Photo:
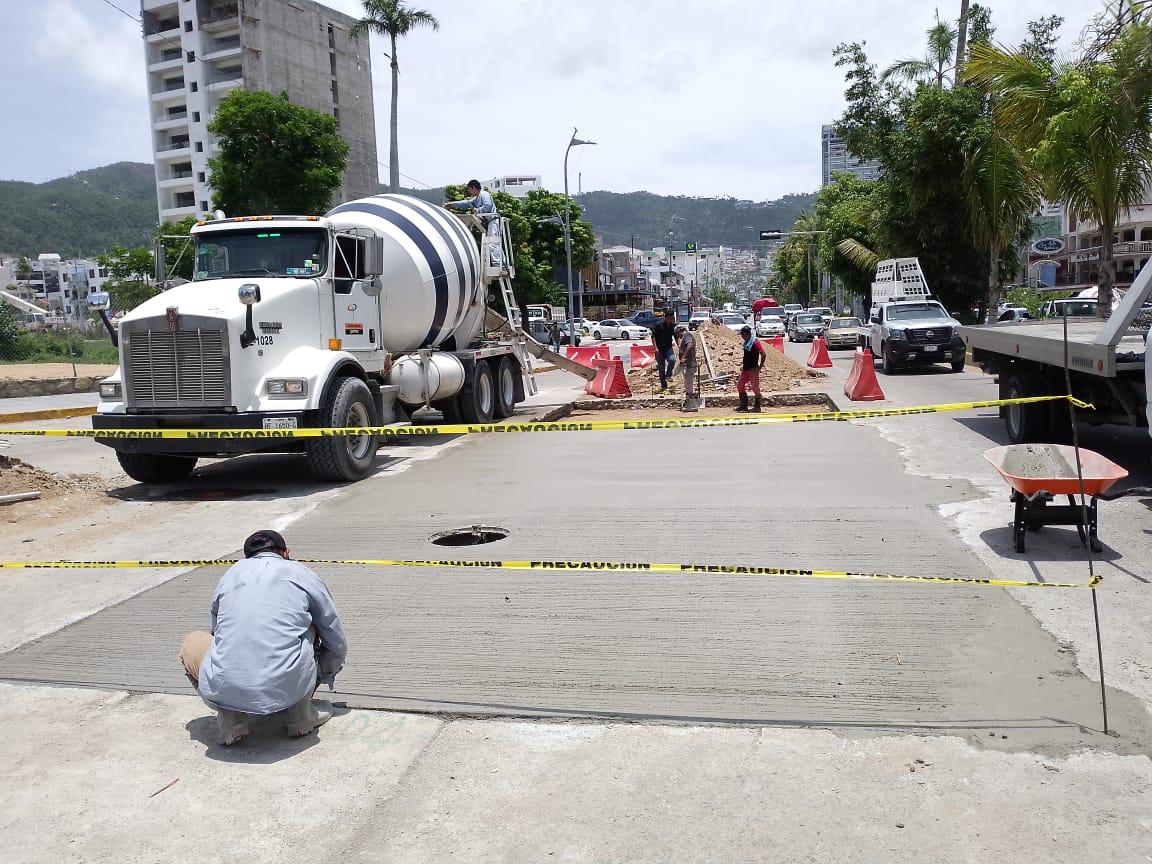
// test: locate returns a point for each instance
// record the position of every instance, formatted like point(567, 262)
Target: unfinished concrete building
point(198, 51)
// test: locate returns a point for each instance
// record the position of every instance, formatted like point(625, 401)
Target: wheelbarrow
point(1038, 473)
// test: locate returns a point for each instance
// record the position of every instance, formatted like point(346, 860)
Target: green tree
point(130, 274)
point(176, 238)
point(1086, 127)
point(849, 209)
point(9, 334)
point(274, 157)
point(394, 19)
point(937, 62)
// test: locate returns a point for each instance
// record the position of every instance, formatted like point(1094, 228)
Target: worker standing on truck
point(481, 201)
point(754, 357)
point(275, 638)
point(664, 338)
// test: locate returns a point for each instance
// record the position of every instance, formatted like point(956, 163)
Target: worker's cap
point(679, 328)
point(265, 540)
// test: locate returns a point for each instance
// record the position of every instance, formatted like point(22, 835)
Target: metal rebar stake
point(1088, 538)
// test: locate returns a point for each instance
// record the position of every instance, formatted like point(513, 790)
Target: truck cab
point(915, 332)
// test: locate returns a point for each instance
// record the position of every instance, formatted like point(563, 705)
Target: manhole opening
point(477, 535)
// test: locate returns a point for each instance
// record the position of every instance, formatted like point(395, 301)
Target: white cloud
point(106, 52)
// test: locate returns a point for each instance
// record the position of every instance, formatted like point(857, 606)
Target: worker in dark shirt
point(664, 338)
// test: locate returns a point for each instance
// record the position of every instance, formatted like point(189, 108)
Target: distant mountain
point(84, 214)
point(706, 221)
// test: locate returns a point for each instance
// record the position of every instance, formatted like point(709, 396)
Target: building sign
point(1043, 227)
point(1048, 246)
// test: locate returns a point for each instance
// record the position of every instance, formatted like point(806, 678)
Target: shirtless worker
point(275, 638)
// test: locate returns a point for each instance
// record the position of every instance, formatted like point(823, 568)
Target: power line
point(121, 11)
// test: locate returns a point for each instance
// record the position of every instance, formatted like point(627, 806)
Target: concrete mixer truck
point(352, 319)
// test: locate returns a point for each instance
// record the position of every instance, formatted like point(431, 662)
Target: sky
point(717, 99)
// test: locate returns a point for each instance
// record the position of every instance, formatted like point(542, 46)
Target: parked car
point(805, 326)
point(646, 318)
point(541, 331)
point(697, 319)
point(770, 324)
point(732, 320)
point(620, 329)
point(584, 326)
point(843, 333)
point(1013, 315)
point(824, 312)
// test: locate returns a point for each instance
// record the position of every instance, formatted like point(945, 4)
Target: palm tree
point(935, 65)
point(1086, 127)
point(962, 37)
point(393, 18)
point(1001, 190)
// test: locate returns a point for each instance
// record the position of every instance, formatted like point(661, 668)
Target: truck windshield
point(908, 311)
point(297, 252)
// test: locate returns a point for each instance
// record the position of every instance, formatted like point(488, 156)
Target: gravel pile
point(17, 476)
point(779, 373)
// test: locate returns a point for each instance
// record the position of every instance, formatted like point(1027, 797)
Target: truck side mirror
point(371, 286)
point(373, 256)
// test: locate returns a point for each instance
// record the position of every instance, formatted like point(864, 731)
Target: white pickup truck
point(1105, 362)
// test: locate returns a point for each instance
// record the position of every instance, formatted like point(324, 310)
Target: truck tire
point(506, 371)
point(887, 361)
point(958, 365)
point(1026, 423)
point(478, 398)
point(156, 467)
point(349, 403)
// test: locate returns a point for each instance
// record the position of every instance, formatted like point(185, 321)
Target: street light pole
point(575, 142)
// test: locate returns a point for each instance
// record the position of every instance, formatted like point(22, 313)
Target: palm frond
point(859, 255)
point(909, 70)
point(1024, 89)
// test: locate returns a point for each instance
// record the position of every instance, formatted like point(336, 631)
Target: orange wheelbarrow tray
point(1038, 473)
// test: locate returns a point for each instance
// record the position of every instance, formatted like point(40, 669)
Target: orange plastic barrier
point(643, 356)
point(862, 385)
point(776, 342)
point(818, 357)
point(587, 355)
point(611, 382)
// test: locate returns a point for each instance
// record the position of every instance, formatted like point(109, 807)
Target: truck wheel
point(506, 371)
point(156, 467)
point(478, 398)
point(348, 403)
point(958, 365)
point(887, 361)
point(1026, 423)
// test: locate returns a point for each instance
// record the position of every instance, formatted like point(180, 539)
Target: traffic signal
point(689, 247)
point(772, 234)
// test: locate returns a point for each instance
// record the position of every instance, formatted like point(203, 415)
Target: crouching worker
point(275, 638)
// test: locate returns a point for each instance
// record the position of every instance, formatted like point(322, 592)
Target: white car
point(584, 326)
point(770, 325)
point(734, 321)
point(790, 309)
point(697, 319)
point(620, 329)
point(824, 312)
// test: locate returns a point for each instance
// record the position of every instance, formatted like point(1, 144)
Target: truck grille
point(930, 336)
point(185, 368)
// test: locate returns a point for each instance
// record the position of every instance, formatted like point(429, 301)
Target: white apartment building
point(60, 286)
point(198, 51)
point(834, 158)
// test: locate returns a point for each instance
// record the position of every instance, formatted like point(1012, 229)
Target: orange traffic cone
point(776, 342)
point(862, 385)
point(818, 357)
point(610, 381)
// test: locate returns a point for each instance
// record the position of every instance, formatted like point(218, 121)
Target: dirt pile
point(17, 476)
point(726, 349)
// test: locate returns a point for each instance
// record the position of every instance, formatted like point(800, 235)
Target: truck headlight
point(896, 333)
point(286, 388)
point(111, 391)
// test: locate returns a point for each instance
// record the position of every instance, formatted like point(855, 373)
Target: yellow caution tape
point(568, 566)
point(404, 431)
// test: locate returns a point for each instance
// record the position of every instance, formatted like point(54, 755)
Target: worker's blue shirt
point(482, 203)
point(262, 659)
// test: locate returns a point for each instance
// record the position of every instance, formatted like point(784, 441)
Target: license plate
point(931, 348)
point(279, 422)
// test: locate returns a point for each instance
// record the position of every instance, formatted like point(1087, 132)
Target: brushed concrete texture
point(689, 648)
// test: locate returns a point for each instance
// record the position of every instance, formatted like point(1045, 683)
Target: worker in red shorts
point(754, 357)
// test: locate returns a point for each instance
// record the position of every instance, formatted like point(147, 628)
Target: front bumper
point(906, 352)
point(207, 424)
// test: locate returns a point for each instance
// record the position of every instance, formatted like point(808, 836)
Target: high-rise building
point(198, 51)
point(835, 158)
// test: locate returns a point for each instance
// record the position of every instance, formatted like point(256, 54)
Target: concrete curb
point(48, 414)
